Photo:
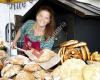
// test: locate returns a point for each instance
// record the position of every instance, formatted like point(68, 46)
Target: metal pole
point(9, 32)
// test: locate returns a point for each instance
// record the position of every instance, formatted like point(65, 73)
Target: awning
point(12, 1)
point(80, 8)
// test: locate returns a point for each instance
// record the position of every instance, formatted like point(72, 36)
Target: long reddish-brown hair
point(51, 25)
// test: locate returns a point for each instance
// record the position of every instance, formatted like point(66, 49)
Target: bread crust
point(84, 54)
point(78, 45)
point(88, 52)
point(68, 43)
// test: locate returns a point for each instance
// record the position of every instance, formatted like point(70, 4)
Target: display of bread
point(77, 63)
point(74, 49)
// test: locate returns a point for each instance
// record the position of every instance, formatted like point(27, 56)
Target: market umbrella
point(9, 2)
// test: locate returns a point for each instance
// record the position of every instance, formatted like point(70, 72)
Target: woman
point(35, 34)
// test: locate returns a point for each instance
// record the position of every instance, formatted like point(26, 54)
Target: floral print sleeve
point(25, 28)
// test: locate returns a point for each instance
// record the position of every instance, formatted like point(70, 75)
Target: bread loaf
point(71, 69)
point(95, 56)
point(19, 59)
point(10, 70)
point(91, 72)
point(32, 67)
point(25, 75)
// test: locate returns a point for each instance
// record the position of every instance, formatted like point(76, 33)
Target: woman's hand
point(14, 44)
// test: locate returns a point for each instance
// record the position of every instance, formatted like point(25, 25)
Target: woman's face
point(43, 18)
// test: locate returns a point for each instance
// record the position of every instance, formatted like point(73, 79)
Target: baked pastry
point(25, 75)
point(60, 51)
point(91, 72)
point(56, 73)
point(95, 56)
point(1, 65)
point(71, 69)
point(9, 71)
point(2, 54)
point(71, 53)
point(88, 52)
point(84, 54)
point(32, 67)
point(68, 43)
point(19, 59)
point(78, 45)
point(40, 75)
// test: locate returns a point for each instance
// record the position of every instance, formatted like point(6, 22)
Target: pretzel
point(60, 51)
point(79, 45)
point(88, 52)
point(68, 43)
point(84, 54)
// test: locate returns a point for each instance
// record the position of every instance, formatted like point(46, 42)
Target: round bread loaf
point(91, 72)
point(25, 75)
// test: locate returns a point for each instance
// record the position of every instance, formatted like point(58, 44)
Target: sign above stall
point(18, 6)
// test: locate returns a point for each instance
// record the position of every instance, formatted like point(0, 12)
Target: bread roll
point(19, 59)
point(2, 54)
point(32, 67)
point(25, 75)
point(1, 65)
point(71, 69)
point(10, 70)
point(95, 56)
point(5, 69)
point(40, 75)
point(56, 72)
